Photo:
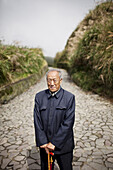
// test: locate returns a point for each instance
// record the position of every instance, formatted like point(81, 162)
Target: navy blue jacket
point(53, 120)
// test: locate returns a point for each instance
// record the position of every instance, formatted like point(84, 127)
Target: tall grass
point(18, 62)
point(91, 65)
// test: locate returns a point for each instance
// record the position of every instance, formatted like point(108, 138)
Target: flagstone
point(5, 163)
point(19, 158)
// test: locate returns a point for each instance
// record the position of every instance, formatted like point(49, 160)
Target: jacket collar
point(56, 94)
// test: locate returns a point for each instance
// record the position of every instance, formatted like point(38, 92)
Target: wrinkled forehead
point(53, 74)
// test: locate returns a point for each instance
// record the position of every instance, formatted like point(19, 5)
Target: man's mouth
point(52, 87)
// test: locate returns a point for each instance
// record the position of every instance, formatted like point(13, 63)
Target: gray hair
point(60, 73)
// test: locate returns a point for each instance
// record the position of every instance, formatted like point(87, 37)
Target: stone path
point(93, 130)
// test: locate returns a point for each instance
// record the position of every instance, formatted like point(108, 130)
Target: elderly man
point(54, 115)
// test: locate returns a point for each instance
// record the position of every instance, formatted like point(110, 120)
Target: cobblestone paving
point(93, 130)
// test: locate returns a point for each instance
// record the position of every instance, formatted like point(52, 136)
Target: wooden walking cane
point(50, 160)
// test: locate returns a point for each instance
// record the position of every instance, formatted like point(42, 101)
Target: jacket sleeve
point(66, 127)
point(40, 135)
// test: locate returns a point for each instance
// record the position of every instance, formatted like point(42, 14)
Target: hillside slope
point(88, 54)
point(17, 63)
point(20, 68)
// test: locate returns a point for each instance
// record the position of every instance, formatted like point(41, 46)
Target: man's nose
point(52, 82)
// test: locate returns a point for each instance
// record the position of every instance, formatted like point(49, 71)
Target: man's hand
point(47, 150)
point(50, 146)
point(44, 146)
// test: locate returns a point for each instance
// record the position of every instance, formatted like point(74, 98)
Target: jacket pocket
point(43, 114)
point(43, 108)
point(60, 113)
point(61, 107)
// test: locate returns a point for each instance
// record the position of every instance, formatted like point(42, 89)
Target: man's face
point(53, 81)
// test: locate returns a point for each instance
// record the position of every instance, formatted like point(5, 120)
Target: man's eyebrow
point(52, 77)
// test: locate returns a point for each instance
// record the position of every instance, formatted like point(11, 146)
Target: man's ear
point(61, 80)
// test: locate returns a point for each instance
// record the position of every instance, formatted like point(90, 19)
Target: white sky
point(42, 23)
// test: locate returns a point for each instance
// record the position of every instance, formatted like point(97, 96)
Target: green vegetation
point(91, 65)
point(61, 60)
point(50, 60)
point(17, 63)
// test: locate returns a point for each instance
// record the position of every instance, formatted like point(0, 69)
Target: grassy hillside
point(90, 63)
point(17, 63)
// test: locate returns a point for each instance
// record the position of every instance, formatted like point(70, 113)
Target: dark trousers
point(64, 160)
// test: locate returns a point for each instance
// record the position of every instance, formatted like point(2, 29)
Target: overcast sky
point(42, 23)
